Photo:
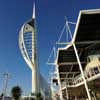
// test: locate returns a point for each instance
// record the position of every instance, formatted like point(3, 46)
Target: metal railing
point(90, 75)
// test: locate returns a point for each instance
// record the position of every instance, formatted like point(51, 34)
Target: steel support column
point(61, 96)
point(80, 66)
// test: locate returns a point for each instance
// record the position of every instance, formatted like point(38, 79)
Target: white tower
point(28, 47)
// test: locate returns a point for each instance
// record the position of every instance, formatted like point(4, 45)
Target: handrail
point(91, 75)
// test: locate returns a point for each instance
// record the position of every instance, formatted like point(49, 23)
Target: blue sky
point(50, 16)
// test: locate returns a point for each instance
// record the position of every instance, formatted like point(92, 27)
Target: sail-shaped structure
point(28, 48)
point(27, 44)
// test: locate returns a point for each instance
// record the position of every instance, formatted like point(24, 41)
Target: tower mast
point(35, 79)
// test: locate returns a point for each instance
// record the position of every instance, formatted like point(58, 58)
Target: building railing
point(89, 75)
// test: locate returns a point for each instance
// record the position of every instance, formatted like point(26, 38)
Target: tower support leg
point(33, 81)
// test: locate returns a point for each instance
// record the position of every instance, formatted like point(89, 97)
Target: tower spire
point(33, 15)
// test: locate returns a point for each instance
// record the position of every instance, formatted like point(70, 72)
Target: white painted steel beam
point(80, 66)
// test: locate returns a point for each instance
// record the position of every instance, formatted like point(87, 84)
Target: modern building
point(78, 63)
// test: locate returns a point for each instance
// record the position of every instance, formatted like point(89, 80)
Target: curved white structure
point(27, 44)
